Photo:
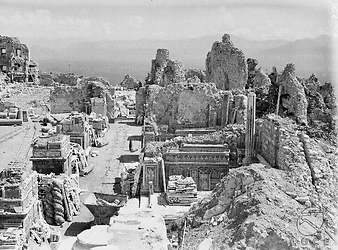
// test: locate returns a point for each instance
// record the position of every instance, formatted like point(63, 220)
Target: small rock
point(302, 199)
point(291, 194)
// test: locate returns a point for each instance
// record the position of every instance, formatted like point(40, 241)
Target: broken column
point(250, 130)
point(225, 108)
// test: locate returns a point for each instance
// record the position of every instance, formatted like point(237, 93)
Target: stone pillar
point(225, 109)
point(250, 130)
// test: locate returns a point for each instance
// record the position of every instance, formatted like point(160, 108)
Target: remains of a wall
point(66, 78)
point(181, 104)
point(165, 71)
point(191, 74)
point(140, 99)
point(157, 66)
point(317, 109)
point(65, 99)
point(173, 73)
point(293, 97)
point(129, 82)
point(46, 79)
point(33, 72)
point(226, 65)
point(14, 59)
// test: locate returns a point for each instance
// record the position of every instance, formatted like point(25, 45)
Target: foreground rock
point(255, 207)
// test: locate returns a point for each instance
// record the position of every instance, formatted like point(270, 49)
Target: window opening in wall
point(18, 52)
point(3, 51)
point(4, 68)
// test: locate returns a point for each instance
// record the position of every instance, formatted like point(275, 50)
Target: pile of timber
point(60, 199)
point(181, 191)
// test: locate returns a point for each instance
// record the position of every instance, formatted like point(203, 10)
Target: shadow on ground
point(128, 158)
point(77, 227)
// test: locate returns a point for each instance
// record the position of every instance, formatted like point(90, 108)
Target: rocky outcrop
point(226, 65)
point(129, 82)
point(293, 98)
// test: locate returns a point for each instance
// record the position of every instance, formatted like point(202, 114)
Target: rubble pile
point(226, 65)
point(254, 207)
point(59, 198)
point(181, 191)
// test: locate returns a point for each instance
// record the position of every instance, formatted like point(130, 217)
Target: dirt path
point(108, 166)
point(15, 144)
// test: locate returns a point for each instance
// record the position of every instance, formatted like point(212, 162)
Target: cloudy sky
point(165, 19)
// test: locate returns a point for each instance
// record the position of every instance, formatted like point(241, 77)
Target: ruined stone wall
point(193, 73)
point(64, 78)
point(173, 73)
point(140, 99)
point(14, 58)
point(293, 98)
point(129, 82)
point(65, 99)
point(165, 71)
point(226, 65)
point(181, 104)
point(158, 65)
point(46, 79)
point(33, 72)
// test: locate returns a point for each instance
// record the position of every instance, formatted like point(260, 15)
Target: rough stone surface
point(181, 104)
point(173, 73)
point(251, 209)
point(226, 65)
point(129, 82)
point(293, 97)
point(193, 73)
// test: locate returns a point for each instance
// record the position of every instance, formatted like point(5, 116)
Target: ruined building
point(15, 60)
point(226, 65)
point(89, 95)
point(165, 71)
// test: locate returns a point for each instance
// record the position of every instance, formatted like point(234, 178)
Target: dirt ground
point(108, 166)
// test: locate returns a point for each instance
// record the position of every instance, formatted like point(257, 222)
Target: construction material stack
point(77, 126)
point(181, 191)
point(18, 205)
point(60, 199)
point(51, 154)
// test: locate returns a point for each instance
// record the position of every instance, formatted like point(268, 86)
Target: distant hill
point(114, 59)
point(309, 56)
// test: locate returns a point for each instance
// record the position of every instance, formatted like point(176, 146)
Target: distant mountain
point(308, 55)
point(114, 59)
